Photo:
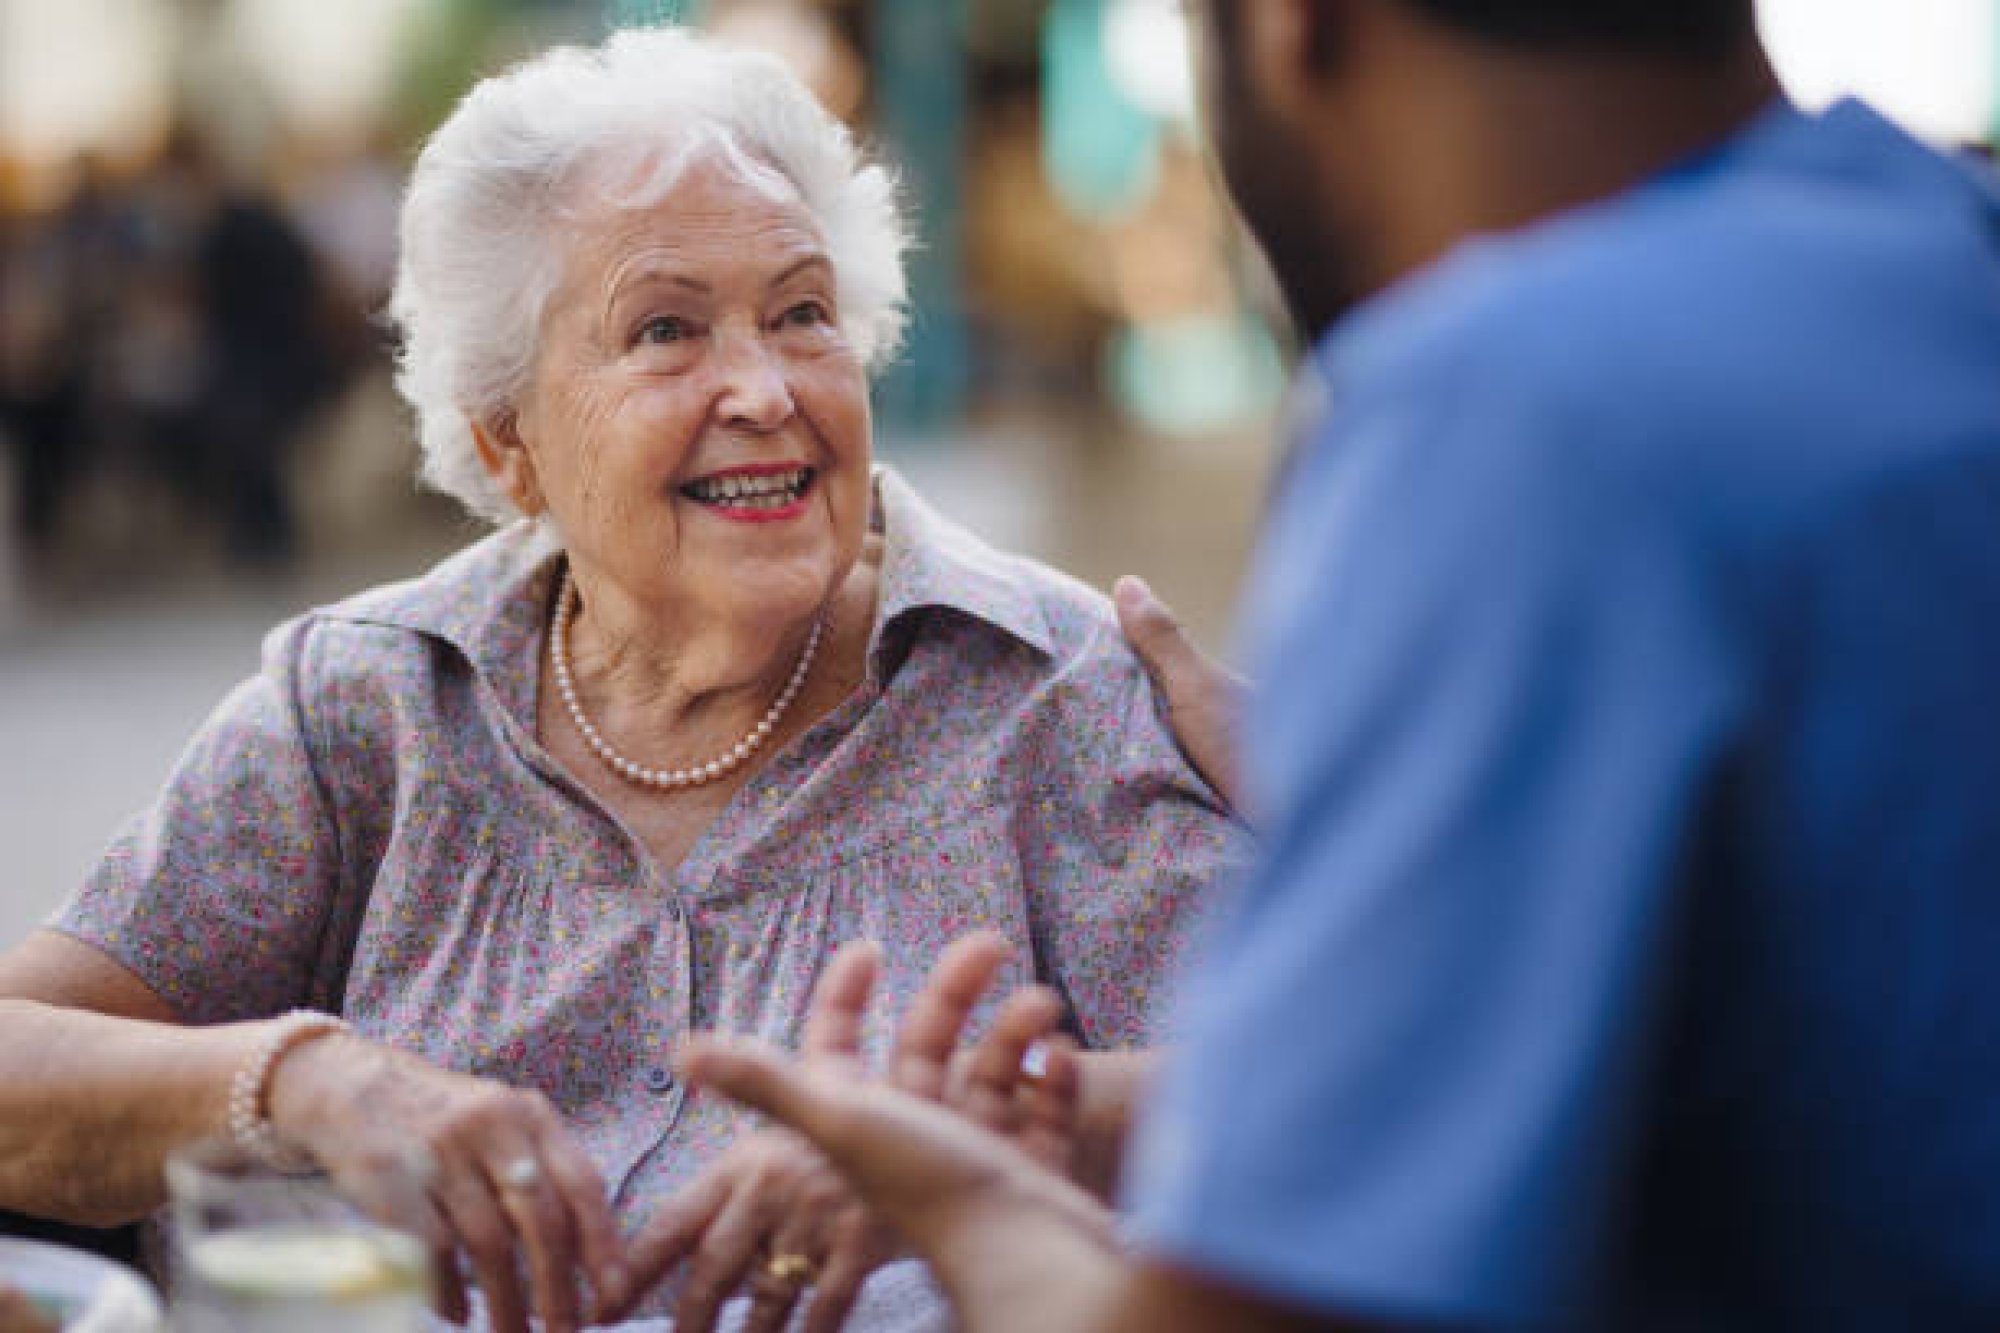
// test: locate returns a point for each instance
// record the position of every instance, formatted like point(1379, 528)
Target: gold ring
point(790, 1270)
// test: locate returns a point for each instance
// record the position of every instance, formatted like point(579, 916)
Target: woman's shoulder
point(1082, 625)
point(932, 560)
point(480, 601)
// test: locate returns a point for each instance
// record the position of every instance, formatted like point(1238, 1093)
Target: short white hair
point(481, 248)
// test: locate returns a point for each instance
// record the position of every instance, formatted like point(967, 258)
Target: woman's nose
point(756, 394)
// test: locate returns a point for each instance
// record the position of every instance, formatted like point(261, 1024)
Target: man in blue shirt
point(1626, 742)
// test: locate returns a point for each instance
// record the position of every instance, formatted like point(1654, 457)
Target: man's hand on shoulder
point(1204, 699)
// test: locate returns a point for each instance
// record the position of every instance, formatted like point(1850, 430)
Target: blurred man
point(1627, 635)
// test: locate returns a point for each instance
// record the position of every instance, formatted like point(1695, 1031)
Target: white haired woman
point(448, 882)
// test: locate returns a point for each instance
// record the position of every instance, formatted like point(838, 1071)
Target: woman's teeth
point(770, 491)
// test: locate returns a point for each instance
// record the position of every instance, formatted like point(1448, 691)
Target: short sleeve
point(1128, 858)
point(217, 895)
point(1494, 686)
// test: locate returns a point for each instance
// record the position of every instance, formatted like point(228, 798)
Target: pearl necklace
point(670, 779)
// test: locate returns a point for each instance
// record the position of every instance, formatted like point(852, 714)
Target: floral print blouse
point(370, 827)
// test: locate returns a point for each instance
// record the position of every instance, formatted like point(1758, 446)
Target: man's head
point(1314, 104)
point(1693, 29)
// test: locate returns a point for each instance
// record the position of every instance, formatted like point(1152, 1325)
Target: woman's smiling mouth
point(758, 494)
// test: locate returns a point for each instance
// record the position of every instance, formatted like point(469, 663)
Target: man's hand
point(1204, 700)
point(1002, 1232)
point(771, 1195)
point(1015, 1244)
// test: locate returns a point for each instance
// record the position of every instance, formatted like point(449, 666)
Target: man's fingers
point(759, 1076)
point(920, 1061)
point(840, 1000)
point(874, 1135)
point(927, 1170)
point(1156, 634)
point(1150, 625)
point(1203, 699)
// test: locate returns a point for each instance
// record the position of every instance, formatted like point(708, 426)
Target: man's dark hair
point(1640, 27)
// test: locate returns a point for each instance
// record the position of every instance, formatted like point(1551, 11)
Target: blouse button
point(659, 1079)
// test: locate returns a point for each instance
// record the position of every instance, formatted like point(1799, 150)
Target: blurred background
point(198, 435)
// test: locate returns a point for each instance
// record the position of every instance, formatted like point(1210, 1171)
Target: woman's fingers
point(786, 1265)
point(723, 1260)
point(927, 1169)
point(504, 1180)
point(554, 1201)
point(840, 1001)
point(586, 1201)
point(1050, 1103)
point(668, 1237)
point(541, 1221)
point(852, 1254)
point(920, 1060)
point(484, 1234)
point(990, 1078)
point(394, 1188)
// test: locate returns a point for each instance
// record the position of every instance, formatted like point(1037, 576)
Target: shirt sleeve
point(1128, 858)
point(1493, 689)
point(217, 895)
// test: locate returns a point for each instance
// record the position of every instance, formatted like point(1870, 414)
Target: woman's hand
point(771, 1219)
point(996, 1225)
point(771, 1203)
point(1015, 1245)
point(1022, 1080)
point(468, 1165)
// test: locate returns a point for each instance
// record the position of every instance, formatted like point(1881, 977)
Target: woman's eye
point(808, 313)
point(665, 329)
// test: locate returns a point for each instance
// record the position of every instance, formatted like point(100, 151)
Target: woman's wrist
point(251, 1101)
point(1113, 1084)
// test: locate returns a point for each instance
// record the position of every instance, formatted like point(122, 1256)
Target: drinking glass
point(257, 1249)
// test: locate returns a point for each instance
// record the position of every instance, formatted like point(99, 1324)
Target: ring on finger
point(790, 1271)
point(523, 1173)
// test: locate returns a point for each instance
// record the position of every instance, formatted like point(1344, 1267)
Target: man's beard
point(1269, 174)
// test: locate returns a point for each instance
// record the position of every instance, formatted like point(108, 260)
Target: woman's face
point(696, 424)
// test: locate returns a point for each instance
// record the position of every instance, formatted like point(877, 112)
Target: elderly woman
point(436, 896)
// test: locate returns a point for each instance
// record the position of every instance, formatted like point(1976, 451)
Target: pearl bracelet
point(249, 1086)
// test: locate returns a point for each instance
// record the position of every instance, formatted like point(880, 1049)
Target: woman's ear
point(508, 462)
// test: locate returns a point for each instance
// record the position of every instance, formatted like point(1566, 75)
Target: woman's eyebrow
point(799, 266)
point(649, 275)
point(639, 278)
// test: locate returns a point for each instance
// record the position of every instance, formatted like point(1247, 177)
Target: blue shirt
point(1627, 951)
